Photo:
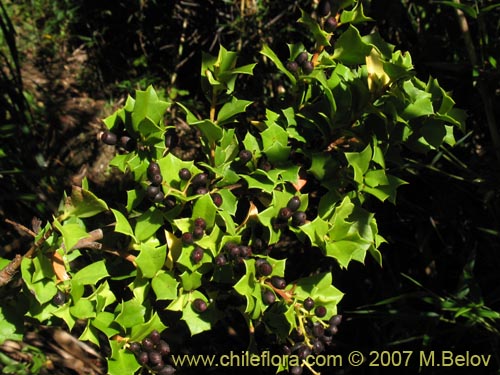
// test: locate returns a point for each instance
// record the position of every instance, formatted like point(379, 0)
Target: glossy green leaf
point(164, 285)
point(148, 106)
point(151, 259)
point(356, 15)
point(350, 48)
point(231, 109)
point(83, 203)
point(122, 224)
point(122, 360)
point(269, 53)
point(148, 223)
point(130, 313)
point(91, 274)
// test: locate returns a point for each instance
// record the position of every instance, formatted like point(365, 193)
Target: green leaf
point(91, 274)
point(148, 223)
point(122, 224)
point(205, 208)
point(350, 48)
point(320, 36)
point(151, 259)
point(72, 233)
point(147, 106)
point(83, 204)
point(356, 15)
point(231, 109)
point(190, 280)
point(164, 285)
point(467, 9)
point(140, 331)
point(268, 52)
point(197, 322)
point(360, 162)
point(83, 309)
point(122, 360)
point(130, 313)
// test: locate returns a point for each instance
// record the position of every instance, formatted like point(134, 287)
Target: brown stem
point(21, 227)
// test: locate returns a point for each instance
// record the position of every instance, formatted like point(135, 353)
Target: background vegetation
point(66, 64)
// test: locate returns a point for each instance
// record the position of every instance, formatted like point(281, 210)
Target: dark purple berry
point(170, 202)
point(278, 282)
point(307, 67)
point(318, 330)
point(245, 251)
point(197, 255)
point(202, 190)
point(59, 299)
point(245, 156)
point(135, 347)
point(155, 357)
point(285, 349)
point(324, 8)
point(184, 174)
point(163, 347)
point(198, 233)
point(285, 213)
point(109, 138)
point(327, 340)
point(217, 199)
point(127, 143)
point(220, 260)
point(265, 165)
point(153, 168)
point(156, 179)
point(332, 330)
point(200, 179)
point(152, 190)
point(303, 352)
point(292, 66)
point(264, 268)
point(200, 223)
point(330, 24)
point(155, 336)
point(320, 311)
point(159, 197)
point(296, 370)
point(187, 238)
point(308, 304)
point(301, 58)
point(199, 305)
point(143, 358)
point(318, 346)
point(299, 218)
point(166, 370)
point(147, 344)
point(293, 204)
point(335, 320)
point(268, 297)
point(234, 251)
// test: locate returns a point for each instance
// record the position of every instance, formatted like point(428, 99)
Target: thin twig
point(21, 227)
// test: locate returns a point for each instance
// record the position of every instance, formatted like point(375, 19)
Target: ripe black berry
point(278, 282)
point(163, 347)
point(303, 352)
point(197, 254)
point(234, 251)
point(170, 202)
point(59, 298)
point(292, 66)
point(143, 358)
point(301, 58)
point(184, 174)
point(127, 143)
point(318, 330)
point(268, 297)
point(264, 268)
point(154, 357)
point(332, 330)
point(335, 320)
point(265, 165)
point(245, 251)
point(217, 199)
point(199, 305)
point(285, 213)
point(187, 238)
point(202, 190)
point(200, 223)
point(135, 347)
point(109, 138)
point(156, 179)
point(166, 370)
point(155, 336)
point(147, 344)
point(159, 197)
point(198, 233)
point(220, 260)
point(153, 168)
point(296, 370)
point(320, 311)
point(318, 346)
point(324, 8)
point(152, 190)
point(330, 24)
point(308, 304)
point(293, 204)
point(307, 67)
point(200, 179)
point(245, 156)
point(299, 218)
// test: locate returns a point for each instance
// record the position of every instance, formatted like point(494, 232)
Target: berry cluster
point(188, 238)
point(290, 211)
point(302, 61)
point(151, 352)
point(126, 142)
point(154, 191)
point(317, 336)
point(324, 10)
point(234, 253)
